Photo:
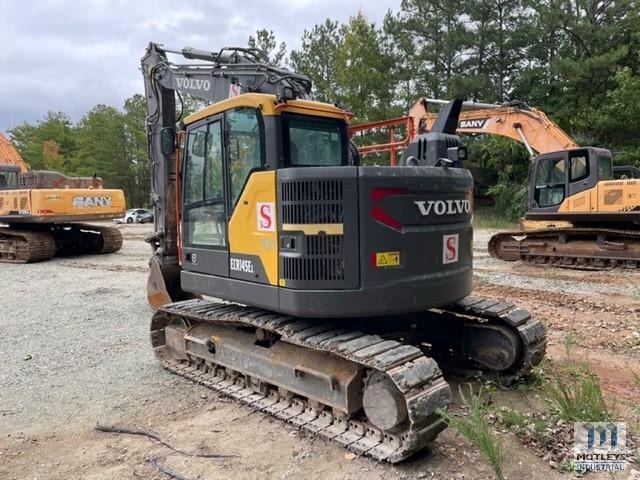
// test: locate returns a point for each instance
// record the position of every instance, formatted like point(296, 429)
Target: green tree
point(102, 148)
point(33, 141)
point(437, 33)
point(317, 59)
point(136, 149)
point(265, 40)
point(576, 47)
point(362, 70)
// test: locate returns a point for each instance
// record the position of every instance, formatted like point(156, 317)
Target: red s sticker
point(450, 248)
point(265, 216)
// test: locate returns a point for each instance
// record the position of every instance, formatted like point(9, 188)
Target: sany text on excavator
point(344, 287)
point(41, 211)
point(578, 214)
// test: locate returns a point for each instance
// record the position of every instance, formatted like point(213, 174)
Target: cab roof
point(269, 106)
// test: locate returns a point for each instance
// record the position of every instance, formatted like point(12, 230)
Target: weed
point(476, 428)
point(577, 396)
point(569, 340)
point(533, 381)
point(512, 418)
point(525, 426)
point(636, 377)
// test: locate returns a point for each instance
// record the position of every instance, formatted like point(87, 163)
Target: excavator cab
point(557, 176)
point(9, 177)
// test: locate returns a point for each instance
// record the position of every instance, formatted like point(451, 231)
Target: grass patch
point(577, 396)
point(486, 217)
point(569, 341)
point(476, 428)
point(530, 427)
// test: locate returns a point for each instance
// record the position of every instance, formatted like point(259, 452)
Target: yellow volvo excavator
point(40, 212)
point(579, 214)
point(344, 287)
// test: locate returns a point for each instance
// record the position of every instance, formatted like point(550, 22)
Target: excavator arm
point(516, 121)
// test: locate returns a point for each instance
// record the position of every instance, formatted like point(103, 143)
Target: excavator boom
point(10, 156)
point(516, 121)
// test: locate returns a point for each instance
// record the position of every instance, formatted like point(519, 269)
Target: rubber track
point(581, 261)
point(416, 376)
point(111, 237)
point(39, 245)
point(532, 332)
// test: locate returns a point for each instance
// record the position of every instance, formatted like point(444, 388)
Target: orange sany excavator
point(40, 212)
point(578, 214)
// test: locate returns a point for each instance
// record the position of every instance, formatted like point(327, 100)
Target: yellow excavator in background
point(40, 211)
point(579, 215)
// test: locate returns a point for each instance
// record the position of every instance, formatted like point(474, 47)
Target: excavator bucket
point(163, 285)
point(157, 293)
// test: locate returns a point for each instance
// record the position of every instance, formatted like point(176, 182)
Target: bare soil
point(75, 352)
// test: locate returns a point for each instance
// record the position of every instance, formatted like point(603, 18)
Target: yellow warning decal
point(387, 259)
point(282, 282)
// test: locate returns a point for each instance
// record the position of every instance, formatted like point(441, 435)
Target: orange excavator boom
point(515, 120)
point(10, 156)
point(524, 124)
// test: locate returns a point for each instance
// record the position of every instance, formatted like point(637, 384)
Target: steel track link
point(595, 260)
point(24, 246)
point(531, 332)
point(417, 377)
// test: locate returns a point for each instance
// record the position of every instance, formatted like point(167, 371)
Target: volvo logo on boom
point(442, 207)
point(194, 84)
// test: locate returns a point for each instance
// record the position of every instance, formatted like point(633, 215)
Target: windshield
point(312, 141)
point(8, 180)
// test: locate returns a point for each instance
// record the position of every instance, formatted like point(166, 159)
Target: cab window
point(550, 182)
point(605, 168)
point(579, 166)
point(8, 180)
point(245, 150)
point(312, 141)
point(204, 219)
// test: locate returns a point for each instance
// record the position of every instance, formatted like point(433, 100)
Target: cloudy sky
point(70, 55)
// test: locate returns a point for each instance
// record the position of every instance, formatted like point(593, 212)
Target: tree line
point(577, 60)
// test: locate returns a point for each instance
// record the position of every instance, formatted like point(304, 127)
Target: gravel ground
point(549, 279)
point(76, 351)
point(76, 340)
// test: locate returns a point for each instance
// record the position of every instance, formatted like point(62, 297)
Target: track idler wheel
point(496, 347)
point(383, 403)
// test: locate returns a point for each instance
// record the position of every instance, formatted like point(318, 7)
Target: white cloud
point(70, 55)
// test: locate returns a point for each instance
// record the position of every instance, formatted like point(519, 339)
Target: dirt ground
point(75, 352)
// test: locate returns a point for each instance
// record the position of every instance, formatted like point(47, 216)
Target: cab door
point(204, 210)
point(549, 182)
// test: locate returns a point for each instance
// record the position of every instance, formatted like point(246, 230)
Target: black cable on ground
point(156, 436)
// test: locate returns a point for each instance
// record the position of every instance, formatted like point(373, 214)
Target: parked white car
point(131, 215)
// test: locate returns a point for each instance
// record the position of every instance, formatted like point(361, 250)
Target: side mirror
point(457, 155)
point(168, 140)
